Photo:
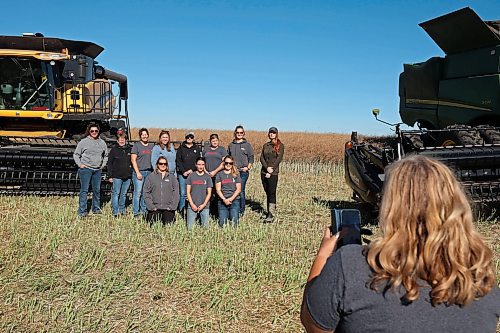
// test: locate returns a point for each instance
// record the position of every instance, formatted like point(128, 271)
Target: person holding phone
point(199, 191)
point(429, 271)
point(270, 158)
point(228, 187)
point(161, 193)
point(242, 152)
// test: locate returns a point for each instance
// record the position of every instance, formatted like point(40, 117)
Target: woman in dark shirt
point(429, 271)
point(270, 158)
point(120, 174)
point(228, 187)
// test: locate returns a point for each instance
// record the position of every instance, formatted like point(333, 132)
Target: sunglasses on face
point(272, 132)
point(94, 131)
point(240, 133)
point(161, 163)
point(228, 163)
point(189, 136)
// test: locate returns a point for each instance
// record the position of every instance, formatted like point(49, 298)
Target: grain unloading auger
point(50, 90)
point(455, 103)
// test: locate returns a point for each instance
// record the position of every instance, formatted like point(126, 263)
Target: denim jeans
point(119, 195)
point(229, 213)
point(89, 176)
point(244, 178)
point(191, 217)
point(182, 192)
point(138, 203)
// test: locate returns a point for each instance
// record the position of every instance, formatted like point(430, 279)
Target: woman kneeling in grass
point(161, 193)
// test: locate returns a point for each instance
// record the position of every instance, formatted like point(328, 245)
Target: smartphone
point(349, 219)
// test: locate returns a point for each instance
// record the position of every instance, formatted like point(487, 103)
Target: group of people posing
point(196, 181)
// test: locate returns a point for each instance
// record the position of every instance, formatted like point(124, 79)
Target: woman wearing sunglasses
point(228, 187)
point(271, 157)
point(243, 154)
point(161, 193)
point(91, 156)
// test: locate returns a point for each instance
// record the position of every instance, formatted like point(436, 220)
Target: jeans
point(138, 203)
point(119, 195)
point(182, 192)
point(191, 217)
point(229, 213)
point(244, 178)
point(89, 176)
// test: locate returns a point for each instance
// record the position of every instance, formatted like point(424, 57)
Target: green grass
point(62, 274)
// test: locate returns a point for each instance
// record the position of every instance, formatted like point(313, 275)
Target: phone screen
point(349, 219)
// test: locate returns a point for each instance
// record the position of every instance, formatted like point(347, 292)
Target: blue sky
point(317, 66)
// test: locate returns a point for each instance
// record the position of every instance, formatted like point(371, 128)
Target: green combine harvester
point(454, 101)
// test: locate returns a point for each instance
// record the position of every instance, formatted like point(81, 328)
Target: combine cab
point(50, 90)
point(455, 103)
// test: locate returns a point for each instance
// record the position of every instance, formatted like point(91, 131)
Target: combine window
point(23, 84)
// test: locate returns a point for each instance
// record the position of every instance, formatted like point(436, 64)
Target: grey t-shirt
point(228, 183)
point(213, 157)
point(199, 185)
point(339, 299)
point(143, 155)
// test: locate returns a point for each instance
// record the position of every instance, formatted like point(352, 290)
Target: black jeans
point(270, 185)
point(163, 215)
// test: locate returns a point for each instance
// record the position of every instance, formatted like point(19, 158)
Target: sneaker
point(97, 212)
point(82, 216)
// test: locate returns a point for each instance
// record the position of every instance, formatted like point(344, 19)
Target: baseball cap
point(273, 129)
point(189, 133)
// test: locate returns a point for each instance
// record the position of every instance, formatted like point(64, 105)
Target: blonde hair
point(428, 234)
point(234, 171)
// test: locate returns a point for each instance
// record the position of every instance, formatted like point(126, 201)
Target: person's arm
point(110, 165)
point(279, 158)
point(106, 153)
point(155, 153)
point(216, 171)
point(326, 249)
point(147, 192)
point(77, 155)
point(236, 193)
point(262, 158)
point(251, 156)
point(175, 190)
point(207, 199)
point(133, 160)
point(190, 199)
point(218, 190)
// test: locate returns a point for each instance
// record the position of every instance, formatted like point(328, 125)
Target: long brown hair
point(428, 234)
point(161, 144)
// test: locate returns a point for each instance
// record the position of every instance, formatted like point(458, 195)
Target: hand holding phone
point(348, 223)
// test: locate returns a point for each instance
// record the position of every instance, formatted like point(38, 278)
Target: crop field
point(59, 273)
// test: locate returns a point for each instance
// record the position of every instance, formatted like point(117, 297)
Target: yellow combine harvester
point(50, 90)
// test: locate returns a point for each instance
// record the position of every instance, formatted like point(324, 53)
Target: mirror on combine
point(375, 112)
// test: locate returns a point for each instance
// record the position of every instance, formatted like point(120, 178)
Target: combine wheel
point(490, 134)
point(459, 135)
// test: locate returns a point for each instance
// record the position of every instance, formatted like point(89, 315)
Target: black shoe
point(97, 212)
